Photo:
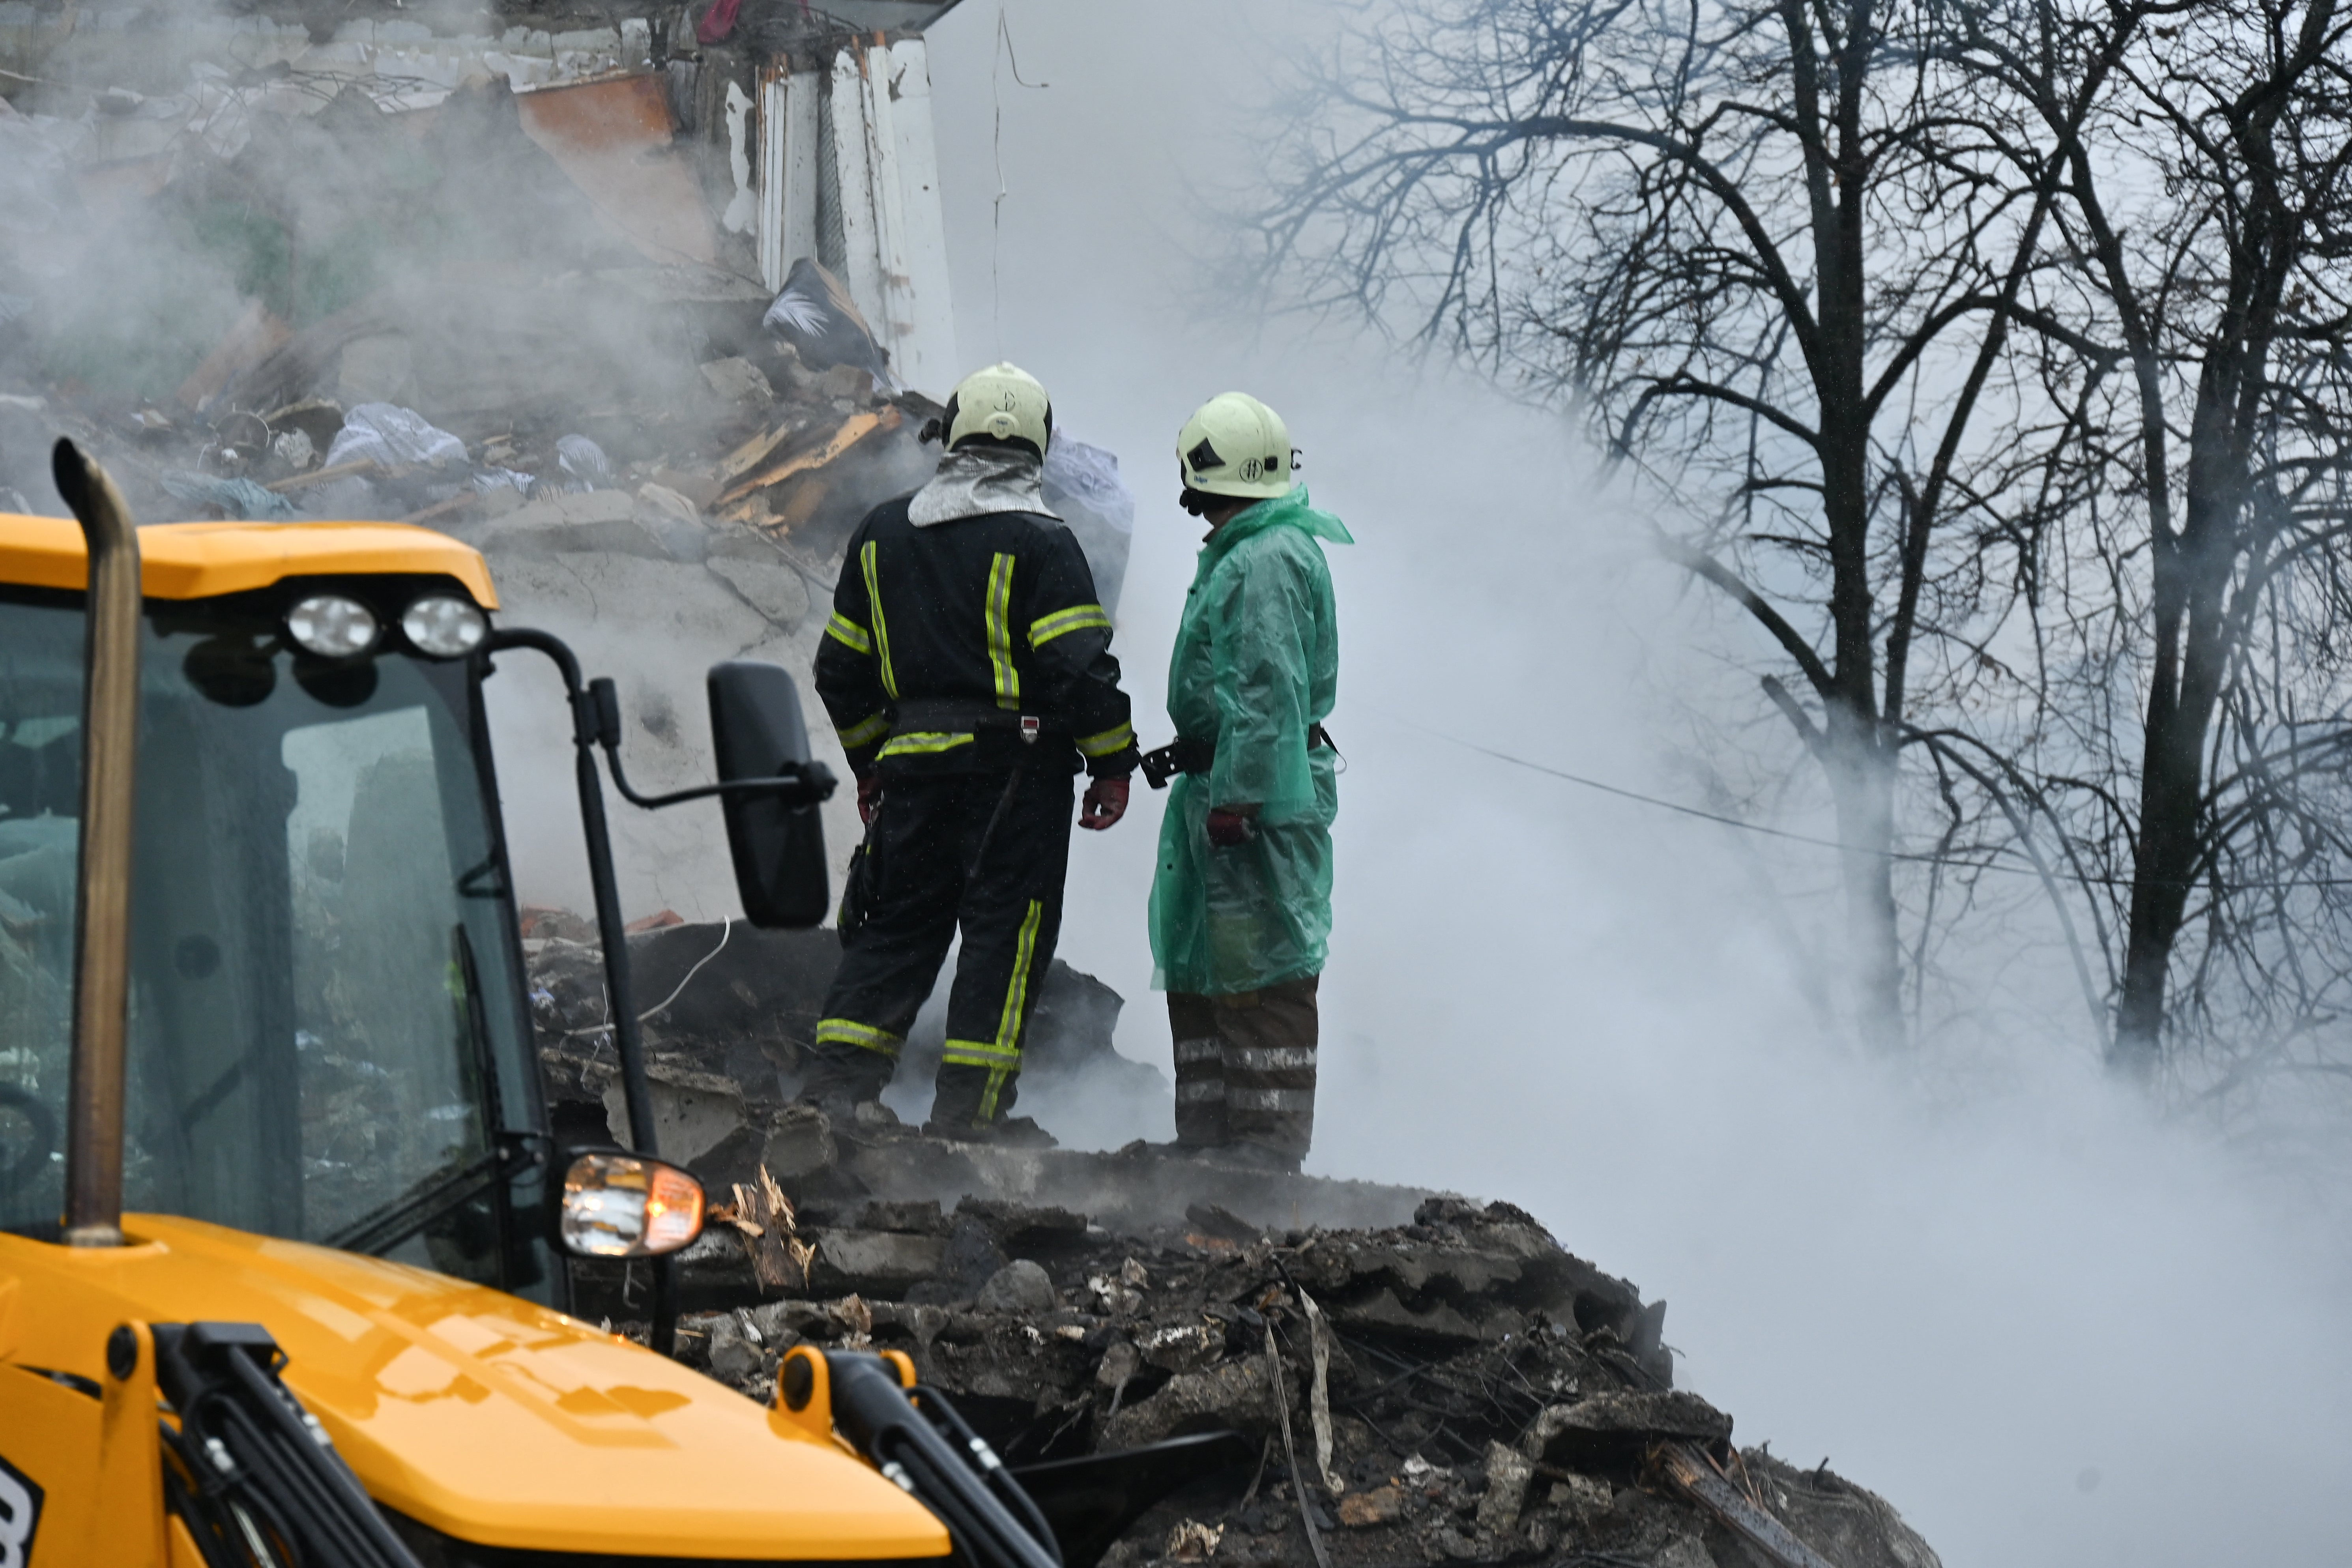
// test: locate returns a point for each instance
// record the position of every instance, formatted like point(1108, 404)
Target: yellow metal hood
point(484, 1416)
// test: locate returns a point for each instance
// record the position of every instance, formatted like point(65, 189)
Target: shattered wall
point(571, 257)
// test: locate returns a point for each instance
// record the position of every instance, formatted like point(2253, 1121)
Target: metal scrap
point(1687, 1467)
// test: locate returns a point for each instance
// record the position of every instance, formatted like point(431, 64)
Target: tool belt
point(953, 714)
point(1185, 756)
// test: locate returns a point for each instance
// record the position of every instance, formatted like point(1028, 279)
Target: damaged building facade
point(650, 305)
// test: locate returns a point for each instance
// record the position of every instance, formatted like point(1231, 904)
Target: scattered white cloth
point(394, 437)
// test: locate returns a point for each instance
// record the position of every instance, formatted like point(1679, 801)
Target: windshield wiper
point(378, 1233)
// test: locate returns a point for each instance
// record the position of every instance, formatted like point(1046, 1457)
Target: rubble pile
point(1455, 1389)
point(477, 350)
point(507, 285)
point(443, 281)
point(727, 1009)
point(1413, 1378)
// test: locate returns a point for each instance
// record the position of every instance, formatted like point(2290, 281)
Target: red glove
point(869, 796)
point(1106, 802)
point(1230, 829)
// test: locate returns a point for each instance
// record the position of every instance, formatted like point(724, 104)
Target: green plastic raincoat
point(1256, 664)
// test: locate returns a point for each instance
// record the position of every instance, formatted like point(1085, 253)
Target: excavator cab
point(281, 1225)
point(328, 1039)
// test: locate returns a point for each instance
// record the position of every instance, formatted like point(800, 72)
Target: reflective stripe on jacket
point(994, 617)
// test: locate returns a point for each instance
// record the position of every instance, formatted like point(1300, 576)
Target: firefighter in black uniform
point(967, 667)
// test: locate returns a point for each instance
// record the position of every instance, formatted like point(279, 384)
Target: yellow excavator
point(282, 1229)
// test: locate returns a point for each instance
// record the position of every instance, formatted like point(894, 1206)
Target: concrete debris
point(1519, 1427)
point(1413, 1378)
point(583, 332)
point(1020, 1287)
point(738, 379)
point(520, 250)
point(1192, 1542)
point(1613, 1430)
point(1508, 1476)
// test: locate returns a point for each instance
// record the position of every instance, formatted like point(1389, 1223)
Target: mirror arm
point(805, 786)
point(587, 732)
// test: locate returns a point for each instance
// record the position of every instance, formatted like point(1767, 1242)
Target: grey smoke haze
point(2047, 1327)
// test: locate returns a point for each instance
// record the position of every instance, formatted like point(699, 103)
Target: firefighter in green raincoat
point(1241, 904)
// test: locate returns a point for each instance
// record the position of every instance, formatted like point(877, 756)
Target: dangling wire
point(1004, 54)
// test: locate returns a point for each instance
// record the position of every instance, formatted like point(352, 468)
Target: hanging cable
point(1003, 53)
point(1906, 857)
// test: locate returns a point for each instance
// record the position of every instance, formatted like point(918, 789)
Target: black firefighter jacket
point(974, 645)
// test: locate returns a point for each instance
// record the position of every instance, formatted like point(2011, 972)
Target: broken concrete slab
point(877, 1263)
point(738, 379)
point(1615, 1430)
point(593, 522)
point(771, 587)
point(693, 1111)
point(1237, 1395)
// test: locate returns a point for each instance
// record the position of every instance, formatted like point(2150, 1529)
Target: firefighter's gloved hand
point(869, 796)
point(1106, 802)
point(1231, 829)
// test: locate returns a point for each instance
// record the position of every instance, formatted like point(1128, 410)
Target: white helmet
point(1236, 446)
point(1005, 403)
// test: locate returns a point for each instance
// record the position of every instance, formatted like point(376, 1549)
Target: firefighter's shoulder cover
point(1255, 668)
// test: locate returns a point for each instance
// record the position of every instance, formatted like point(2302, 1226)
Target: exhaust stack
point(109, 727)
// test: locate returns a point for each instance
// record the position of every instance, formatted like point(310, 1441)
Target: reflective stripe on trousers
point(1001, 1058)
point(1199, 1073)
point(1245, 1067)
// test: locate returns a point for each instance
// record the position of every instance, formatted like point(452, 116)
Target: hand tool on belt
point(1186, 755)
point(951, 714)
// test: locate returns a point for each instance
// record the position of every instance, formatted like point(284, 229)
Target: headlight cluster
point(335, 625)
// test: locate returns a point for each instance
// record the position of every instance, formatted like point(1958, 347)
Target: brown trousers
point(1245, 1067)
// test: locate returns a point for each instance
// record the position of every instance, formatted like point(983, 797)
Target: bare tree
point(1769, 250)
point(2190, 327)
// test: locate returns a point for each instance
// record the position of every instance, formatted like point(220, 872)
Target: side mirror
point(778, 846)
point(625, 1205)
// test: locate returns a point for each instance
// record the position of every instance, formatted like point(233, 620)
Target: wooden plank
point(755, 451)
point(440, 509)
point(853, 430)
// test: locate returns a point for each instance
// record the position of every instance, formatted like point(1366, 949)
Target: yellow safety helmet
point(1236, 446)
point(1004, 403)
